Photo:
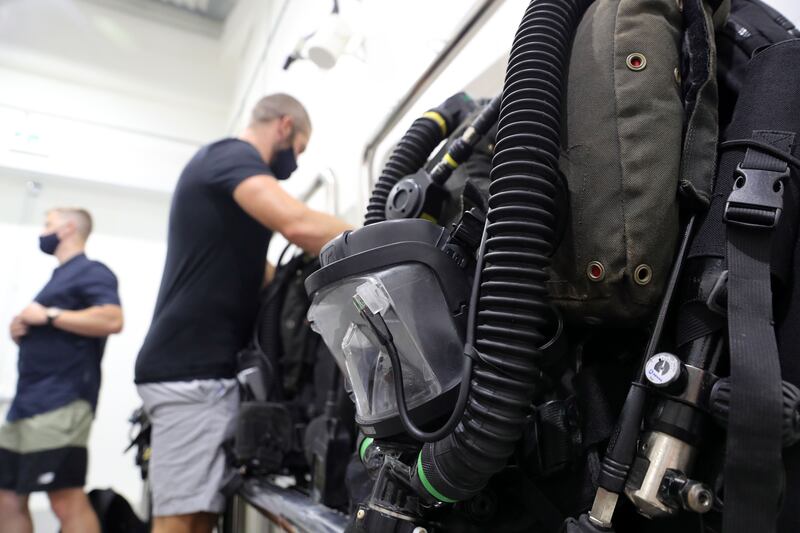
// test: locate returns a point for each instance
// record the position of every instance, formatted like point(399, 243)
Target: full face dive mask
point(391, 287)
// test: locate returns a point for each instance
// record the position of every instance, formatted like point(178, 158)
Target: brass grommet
point(595, 271)
point(636, 61)
point(643, 274)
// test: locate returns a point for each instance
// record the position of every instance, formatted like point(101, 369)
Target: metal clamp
point(694, 387)
point(757, 198)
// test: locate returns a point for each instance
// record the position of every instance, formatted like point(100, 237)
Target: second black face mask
point(284, 163)
point(48, 243)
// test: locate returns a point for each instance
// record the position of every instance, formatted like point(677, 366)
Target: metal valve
point(689, 494)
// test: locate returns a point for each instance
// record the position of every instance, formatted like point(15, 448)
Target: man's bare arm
point(266, 201)
point(96, 321)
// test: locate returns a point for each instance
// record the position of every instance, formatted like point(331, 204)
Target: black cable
point(621, 450)
point(400, 394)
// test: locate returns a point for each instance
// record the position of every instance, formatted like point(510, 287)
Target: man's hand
point(34, 315)
point(18, 329)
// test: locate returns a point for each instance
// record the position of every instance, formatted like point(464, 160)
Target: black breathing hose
point(513, 307)
point(413, 150)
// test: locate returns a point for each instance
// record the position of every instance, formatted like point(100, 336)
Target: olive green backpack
point(639, 143)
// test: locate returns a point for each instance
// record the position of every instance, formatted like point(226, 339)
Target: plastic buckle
point(757, 198)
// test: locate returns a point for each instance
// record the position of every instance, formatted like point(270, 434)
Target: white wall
point(55, 145)
point(790, 9)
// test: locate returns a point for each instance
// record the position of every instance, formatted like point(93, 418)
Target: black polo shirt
point(216, 254)
point(57, 367)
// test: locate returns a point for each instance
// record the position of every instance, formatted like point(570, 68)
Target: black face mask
point(48, 243)
point(283, 163)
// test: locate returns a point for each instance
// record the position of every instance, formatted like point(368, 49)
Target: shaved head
point(281, 105)
point(79, 217)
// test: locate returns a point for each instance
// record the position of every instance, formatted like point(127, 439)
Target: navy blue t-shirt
point(57, 367)
point(216, 254)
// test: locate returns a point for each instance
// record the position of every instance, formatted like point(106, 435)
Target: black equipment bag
point(769, 101)
point(746, 242)
point(272, 419)
point(115, 513)
point(266, 349)
point(264, 436)
point(751, 26)
point(287, 375)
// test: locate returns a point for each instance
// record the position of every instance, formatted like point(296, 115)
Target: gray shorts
point(190, 420)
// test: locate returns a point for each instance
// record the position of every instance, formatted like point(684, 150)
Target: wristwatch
point(52, 314)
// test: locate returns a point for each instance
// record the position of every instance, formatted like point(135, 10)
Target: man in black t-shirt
point(226, 205)
point(61, 337)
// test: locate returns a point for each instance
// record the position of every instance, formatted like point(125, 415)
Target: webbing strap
point(753, 467)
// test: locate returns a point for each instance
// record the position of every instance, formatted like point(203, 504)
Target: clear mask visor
point(429, 345)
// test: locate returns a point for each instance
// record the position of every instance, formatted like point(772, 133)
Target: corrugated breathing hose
point(513, 312)
point(413, 150)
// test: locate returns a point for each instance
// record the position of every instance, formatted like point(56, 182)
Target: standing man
point(226, 205)
point(61, 337)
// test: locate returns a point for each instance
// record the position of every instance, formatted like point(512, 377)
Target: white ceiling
point(215, 9)
point(83, 84)
point(93, 43)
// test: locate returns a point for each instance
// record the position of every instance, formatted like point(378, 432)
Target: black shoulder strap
point(753, 467)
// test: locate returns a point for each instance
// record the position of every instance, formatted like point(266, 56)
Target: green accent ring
point(366, 443)
point(425, 483)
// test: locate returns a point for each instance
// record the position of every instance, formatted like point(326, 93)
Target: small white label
point(662, 369)
point(46, 478)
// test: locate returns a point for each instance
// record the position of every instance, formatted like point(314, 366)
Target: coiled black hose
point(513, 310)
point(414, 148)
